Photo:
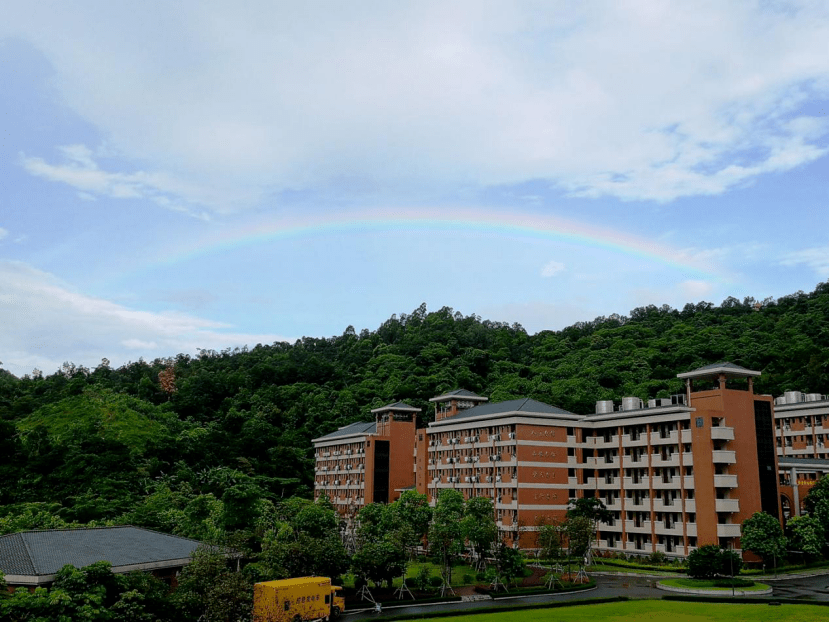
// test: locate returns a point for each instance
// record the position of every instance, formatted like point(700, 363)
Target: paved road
point(636, 587)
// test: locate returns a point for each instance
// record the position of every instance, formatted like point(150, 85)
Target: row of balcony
point(721, 481)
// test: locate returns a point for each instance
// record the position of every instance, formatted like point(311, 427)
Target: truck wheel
point(335, 612)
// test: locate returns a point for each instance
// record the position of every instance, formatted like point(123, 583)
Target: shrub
point(468, 578)
point(708, 561)
point(657, 558)
point(736, 582)
point(421, 581)
point(435, 581)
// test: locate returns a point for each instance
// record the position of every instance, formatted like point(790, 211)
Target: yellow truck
point(298, 599)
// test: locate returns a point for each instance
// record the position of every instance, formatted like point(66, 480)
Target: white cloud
point(44, 322)
point(139, 344)
point(551, 268)
point(695, 289)
point(81, 171)
point(815, 258)
point(3, 233)
point(639, 100)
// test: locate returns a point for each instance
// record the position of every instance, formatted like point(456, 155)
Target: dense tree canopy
point(204, 445)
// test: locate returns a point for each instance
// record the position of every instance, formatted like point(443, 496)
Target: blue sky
point(179, 176)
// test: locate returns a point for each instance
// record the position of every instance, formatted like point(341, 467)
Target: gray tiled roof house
point(32, 558)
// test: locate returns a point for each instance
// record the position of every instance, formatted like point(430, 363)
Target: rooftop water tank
point(605, 406)
point(630, 403)
point(781, 400)
point(793, 397)
point(665, 402)
point(813, 397)
point(652, 402)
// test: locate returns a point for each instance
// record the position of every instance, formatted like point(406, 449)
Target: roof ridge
point(29, 553)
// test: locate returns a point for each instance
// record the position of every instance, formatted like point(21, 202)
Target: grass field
point(709, 585)
point(458, 573)
point(656, 610)
point(622, 569)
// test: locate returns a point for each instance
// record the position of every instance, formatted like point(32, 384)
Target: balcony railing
point(729, 530)
point(644, 527)
point(723, 456)
point(726, 506)
point(723, 433)
point(726, 481)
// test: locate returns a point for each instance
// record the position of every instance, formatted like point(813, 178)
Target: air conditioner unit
point(473, 478)
point(475, 459)
point(454, 440)
point(466, 479)
point(498, 478)
point(432, 443)
point(468, 459)
point(496, 437)
point(466, 440)
point(489, 479)
point(512, 435)
point(451, 479)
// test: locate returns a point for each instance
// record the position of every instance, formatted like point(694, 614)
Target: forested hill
point(189, 438)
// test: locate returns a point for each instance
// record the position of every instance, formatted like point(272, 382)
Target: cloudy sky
point(188, 175)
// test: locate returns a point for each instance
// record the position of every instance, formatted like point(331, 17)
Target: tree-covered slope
point(209, 435)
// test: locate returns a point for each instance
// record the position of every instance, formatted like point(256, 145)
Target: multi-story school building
point(675, 472)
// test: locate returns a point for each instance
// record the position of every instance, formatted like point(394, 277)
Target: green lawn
point(656, 610)
point(622, 569)
point(458, 573)
point(709, 585)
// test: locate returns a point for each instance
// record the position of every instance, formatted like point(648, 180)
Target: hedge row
point(497, 609)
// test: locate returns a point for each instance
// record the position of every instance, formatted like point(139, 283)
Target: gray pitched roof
point(520, 405)
point(396, 406)
point(458, 393)
point(712, 370)
point(804, 462)
point(45, 552)
point(367, 428)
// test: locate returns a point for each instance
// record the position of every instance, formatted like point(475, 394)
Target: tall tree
point(446, 537)
point(479, 527)
point(762, 535)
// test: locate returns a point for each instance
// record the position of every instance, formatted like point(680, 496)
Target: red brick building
point(675, 472)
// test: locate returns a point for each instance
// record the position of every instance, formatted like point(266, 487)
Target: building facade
point(675, 472)
point(367, 461)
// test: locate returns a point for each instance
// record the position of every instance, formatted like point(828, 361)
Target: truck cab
point(338, 602)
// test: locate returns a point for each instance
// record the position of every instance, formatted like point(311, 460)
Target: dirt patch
point(535, 578)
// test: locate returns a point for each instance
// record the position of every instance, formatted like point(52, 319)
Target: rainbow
point(497, 222)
